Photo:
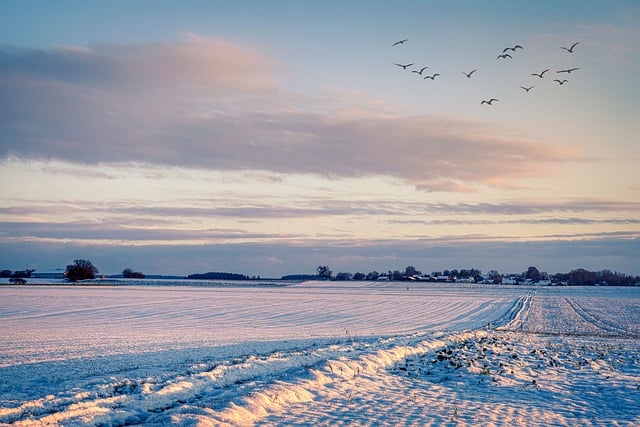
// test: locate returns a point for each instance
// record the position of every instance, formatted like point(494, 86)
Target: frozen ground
point(370, 354)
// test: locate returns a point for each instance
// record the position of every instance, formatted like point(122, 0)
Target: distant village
point(532, 276)
point(82, 270)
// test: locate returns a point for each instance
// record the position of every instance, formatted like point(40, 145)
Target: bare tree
point(324, 272)
point(81, 269)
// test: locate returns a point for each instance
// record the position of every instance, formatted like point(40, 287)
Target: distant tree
point(343, 276)
point(5, 273)
point(128, 273)
point(358, 276)
point(581, 276)
point(324, 272)
point(81, 269)
point(411, 271)
point(532, 274)
point(373, 275)
point(560, 278)
point(494, 276)
point(396, 275)
point(470, 273)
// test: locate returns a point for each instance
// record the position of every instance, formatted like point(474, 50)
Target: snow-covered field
point(318, 353)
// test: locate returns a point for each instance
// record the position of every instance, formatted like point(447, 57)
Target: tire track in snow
point(337, 377)
point(517, 314)
point(334, 374)
point(608, 327)
point(130, 401)
point(492, 378)
point(238, 392)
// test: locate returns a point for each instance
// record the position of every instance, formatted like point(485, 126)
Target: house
point(511, 280)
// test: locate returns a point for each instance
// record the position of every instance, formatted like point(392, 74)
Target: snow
point(319, 353)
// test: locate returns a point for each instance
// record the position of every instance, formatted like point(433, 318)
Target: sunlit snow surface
point(319, 353)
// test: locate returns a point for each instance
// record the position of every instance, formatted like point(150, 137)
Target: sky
point(268, 138)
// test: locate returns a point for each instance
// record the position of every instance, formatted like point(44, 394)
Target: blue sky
point(271, 137)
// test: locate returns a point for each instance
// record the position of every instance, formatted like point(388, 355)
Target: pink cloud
point(212, 104)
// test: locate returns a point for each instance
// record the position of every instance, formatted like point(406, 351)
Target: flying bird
point(568, 71)
point(504, 55)
point(489, 102)
point(399, 42)
point(469, 73)
point(421, 70)
point(432, 77)
point(513, 49)
point(541, 73)
point(561, 82)
point(570, 49)
point(404, 66)
point(527, 88)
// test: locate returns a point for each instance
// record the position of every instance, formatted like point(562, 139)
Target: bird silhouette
point(432, 77)
point(488, 102)
point(400, 42)
point(504, 55)
point(421, 70)
point(541, 74)
point(527, 88)
point(469, 73)
point(570, 49)
point(513, 49)
point(404, 66)
point(568, 71)
point(561, 82)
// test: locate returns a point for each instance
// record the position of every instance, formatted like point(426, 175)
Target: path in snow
point(489, 379)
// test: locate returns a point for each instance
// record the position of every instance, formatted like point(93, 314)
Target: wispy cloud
point(211, 65)
point(524, 221)
point(536, 207)
point(310, 207)
point(213, 104)
point(116, 233)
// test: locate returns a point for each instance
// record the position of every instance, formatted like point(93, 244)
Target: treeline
point(128, 273)
point(219, 276)
point(410, 273)
point(584, 277)
point(83, 269)
point(19, 274)
point(576, 277)
point(301, 277)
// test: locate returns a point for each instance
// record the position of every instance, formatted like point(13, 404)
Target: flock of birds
point(502, 56)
